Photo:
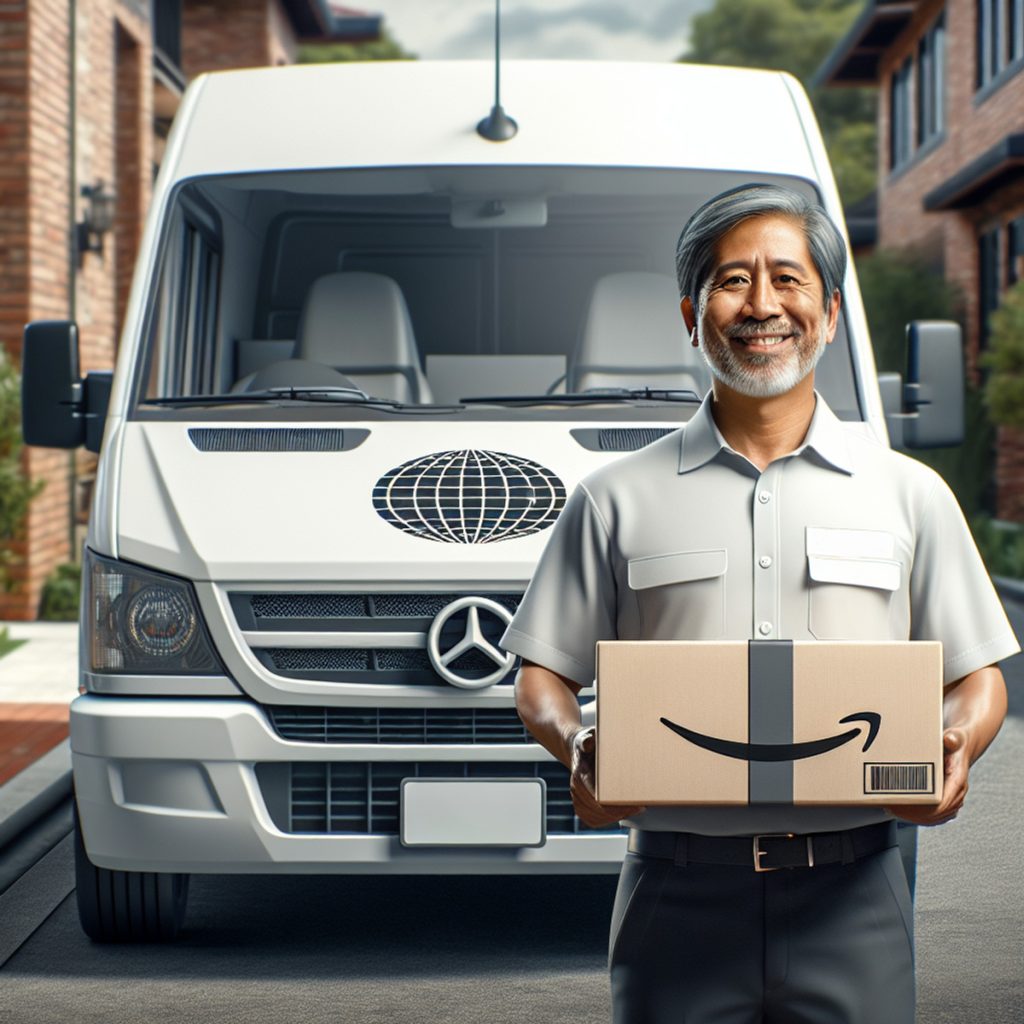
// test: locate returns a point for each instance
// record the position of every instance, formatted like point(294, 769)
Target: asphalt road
point(351, 950)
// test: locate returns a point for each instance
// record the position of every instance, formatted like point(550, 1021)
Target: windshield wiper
point(290, 394)
point(593, 395)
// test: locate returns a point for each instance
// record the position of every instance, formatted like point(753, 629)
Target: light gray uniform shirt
point(686, 539)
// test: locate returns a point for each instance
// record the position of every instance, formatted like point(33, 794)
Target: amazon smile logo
point(781, 751)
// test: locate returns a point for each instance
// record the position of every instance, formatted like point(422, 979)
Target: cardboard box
point(738, 722)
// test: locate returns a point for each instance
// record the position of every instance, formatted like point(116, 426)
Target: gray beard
point(742, 376)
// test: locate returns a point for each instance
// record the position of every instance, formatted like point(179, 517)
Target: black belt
point(766, 852)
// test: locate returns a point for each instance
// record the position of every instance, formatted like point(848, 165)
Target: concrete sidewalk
point(38, 681)
point(45, 669)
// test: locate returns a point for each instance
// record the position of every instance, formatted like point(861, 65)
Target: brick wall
point(222, 35)
point(133, 118)
point(115, 143)
point(46, 283)
point(14, 220)
point(13, 174)
point(972, 126)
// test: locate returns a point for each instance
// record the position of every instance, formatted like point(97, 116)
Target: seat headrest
point(634, 334)
point(634, 317)
point(352, 319)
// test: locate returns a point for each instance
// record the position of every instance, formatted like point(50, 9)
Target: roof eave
point(313, 22)
point(996, 166)
point(855, 58)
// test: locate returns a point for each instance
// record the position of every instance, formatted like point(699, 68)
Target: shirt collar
point(701, 439)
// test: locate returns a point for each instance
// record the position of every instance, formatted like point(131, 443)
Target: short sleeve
point(571, 600)
point(952, 598)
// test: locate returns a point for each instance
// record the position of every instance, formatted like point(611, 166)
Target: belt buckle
point(759, 853)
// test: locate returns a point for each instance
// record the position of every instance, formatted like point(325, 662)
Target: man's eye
point(735, 279)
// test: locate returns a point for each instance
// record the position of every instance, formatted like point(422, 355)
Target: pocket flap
point(680, 567)
point(833, 543)
point(859, 572)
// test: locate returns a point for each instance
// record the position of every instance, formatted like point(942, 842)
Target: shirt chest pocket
point(852, 577)
point(681, 595)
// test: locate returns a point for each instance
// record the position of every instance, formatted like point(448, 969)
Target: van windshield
point(458, 288)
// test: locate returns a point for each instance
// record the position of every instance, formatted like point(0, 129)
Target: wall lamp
point(99, 218)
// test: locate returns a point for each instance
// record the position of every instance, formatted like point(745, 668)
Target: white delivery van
point(367, 355)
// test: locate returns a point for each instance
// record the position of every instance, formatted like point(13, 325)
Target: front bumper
point(171, 785)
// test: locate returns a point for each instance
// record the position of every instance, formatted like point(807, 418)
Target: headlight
point(140, 621)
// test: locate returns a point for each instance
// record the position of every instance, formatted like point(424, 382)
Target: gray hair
point(695, 252)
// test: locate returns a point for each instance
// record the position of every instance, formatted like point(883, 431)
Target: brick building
point(950, 155)
point(88, 89)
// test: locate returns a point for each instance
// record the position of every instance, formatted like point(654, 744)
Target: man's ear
point(833, 314)
point(689, 318)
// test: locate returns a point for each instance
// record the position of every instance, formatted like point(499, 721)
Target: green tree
point(384, 48)
point(796, 36)
point(903, 285)
point(16, 491)
point(1004, 391)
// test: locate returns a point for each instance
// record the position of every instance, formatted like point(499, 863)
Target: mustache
point(749, 328)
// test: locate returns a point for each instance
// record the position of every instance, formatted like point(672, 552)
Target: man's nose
point(762, 298)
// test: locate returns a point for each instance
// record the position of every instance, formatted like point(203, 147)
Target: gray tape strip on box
point(770, 689)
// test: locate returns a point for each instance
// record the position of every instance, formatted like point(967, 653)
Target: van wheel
point(127, 906)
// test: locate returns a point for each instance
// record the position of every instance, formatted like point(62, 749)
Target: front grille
point(337, 798)
point(399, 725)
point(307, 606)
point(410, 613)
point(317, 659)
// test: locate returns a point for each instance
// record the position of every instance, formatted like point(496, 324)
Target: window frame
point(901, 109)
point(930, 98)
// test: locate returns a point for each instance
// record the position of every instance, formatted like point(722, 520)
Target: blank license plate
point(473, 812)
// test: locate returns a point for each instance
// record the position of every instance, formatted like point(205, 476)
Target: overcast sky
point(546, 29)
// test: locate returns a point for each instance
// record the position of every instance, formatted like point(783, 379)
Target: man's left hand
point(956, 765)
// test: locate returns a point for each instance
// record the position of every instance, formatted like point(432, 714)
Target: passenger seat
point(634, 337)
point(358, 323)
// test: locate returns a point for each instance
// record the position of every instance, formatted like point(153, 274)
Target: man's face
point(762, 320)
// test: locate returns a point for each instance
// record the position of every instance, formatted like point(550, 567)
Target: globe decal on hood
point(469, 497)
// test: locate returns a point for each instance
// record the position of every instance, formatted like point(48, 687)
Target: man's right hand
point(581, 785)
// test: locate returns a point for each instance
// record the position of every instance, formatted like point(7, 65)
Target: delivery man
point(704, 535)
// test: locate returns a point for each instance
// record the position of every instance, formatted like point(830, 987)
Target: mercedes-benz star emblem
point(472, 639)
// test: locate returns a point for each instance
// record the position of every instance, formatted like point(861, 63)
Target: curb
point(39, 806)
point(34, 792)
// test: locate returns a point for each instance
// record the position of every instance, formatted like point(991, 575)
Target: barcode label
point(898, 778)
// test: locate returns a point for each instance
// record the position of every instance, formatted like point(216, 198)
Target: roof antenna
point(497, 126)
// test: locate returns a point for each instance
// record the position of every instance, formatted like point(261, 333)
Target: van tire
point(127, 906)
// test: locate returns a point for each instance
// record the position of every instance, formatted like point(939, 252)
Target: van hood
point(360, 503)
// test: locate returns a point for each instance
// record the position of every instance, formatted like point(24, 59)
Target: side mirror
point(928, 411)
point(58, 408)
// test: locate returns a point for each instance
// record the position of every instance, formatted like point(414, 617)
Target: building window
point(931, 82)
point(1014, 29)
point(1015, 251)
point(989, 282)
point(900, 124)
point(1000, 39)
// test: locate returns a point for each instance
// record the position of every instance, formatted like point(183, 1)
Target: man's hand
point(956, 766)
point(581, 785)
point(974, 708)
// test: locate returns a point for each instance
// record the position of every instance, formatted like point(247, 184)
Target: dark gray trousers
point(717, 944)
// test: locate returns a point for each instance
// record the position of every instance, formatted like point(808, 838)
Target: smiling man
point(706, 535)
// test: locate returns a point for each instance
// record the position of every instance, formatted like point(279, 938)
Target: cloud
point(577, 28)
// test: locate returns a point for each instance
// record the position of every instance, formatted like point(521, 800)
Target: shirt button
point(764, 561)
point(765, 628)
point(764, 497)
